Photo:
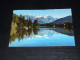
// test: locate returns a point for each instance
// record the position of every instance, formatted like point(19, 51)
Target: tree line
point(20, 21)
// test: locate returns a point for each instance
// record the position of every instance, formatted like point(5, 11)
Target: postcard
point(42, 28)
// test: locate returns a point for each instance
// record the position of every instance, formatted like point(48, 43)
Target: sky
point(55, 13)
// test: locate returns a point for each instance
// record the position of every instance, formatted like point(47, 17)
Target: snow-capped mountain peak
point(41, 19)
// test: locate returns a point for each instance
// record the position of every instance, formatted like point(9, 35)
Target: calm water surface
point(42, 37)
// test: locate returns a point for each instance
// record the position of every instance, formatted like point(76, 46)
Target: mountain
point(62, 20)
point(41, 19)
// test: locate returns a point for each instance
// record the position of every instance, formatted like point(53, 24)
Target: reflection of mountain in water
point(22, 33)
point(42, 32)
point(64, 31)
point(46, 32)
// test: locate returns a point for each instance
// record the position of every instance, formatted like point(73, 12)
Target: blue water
point(46, 37)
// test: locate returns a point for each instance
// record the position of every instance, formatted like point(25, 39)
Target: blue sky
point(56, 13)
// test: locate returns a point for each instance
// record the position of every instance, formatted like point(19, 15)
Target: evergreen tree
point(15, 18)
point(35, 23)
point(30, 24)
point(26, 22)
point(21, 21)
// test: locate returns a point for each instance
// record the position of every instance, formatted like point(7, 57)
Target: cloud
point(28, 38)
point(38, 36)
point(46, 37)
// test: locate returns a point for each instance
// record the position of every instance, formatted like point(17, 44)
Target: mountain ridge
point(62, 20)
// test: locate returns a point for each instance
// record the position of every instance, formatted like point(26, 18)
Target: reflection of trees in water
point(68, 28)
point(35, 31)
point(12, 37)
point(21, 32)
point(66, 31)
point(29, 31)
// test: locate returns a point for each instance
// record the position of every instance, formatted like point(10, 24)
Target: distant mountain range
point(48, 19)
point(62, 20)
point(41, 19)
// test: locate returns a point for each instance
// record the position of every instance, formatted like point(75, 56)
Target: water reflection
point(21, 32)
point(39, 34)
point(35, 31)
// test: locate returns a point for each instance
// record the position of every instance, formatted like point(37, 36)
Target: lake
point(42, 37)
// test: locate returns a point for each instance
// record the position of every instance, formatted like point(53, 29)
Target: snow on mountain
point(41, 19)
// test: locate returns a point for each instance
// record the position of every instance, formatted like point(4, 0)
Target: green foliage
point(26, 22)
point(51, 24)
point(35, 31)
point(15, 18)
point(59, 25)
point(35, 24)
point(21, 32)
point(19, 24)
point(30, 24)
point(47, 24)
point(68, 24)
point(21, 21)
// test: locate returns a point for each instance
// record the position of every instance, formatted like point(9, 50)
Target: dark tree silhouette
point(30, 24)
point(26, 22)
point(35, 23)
